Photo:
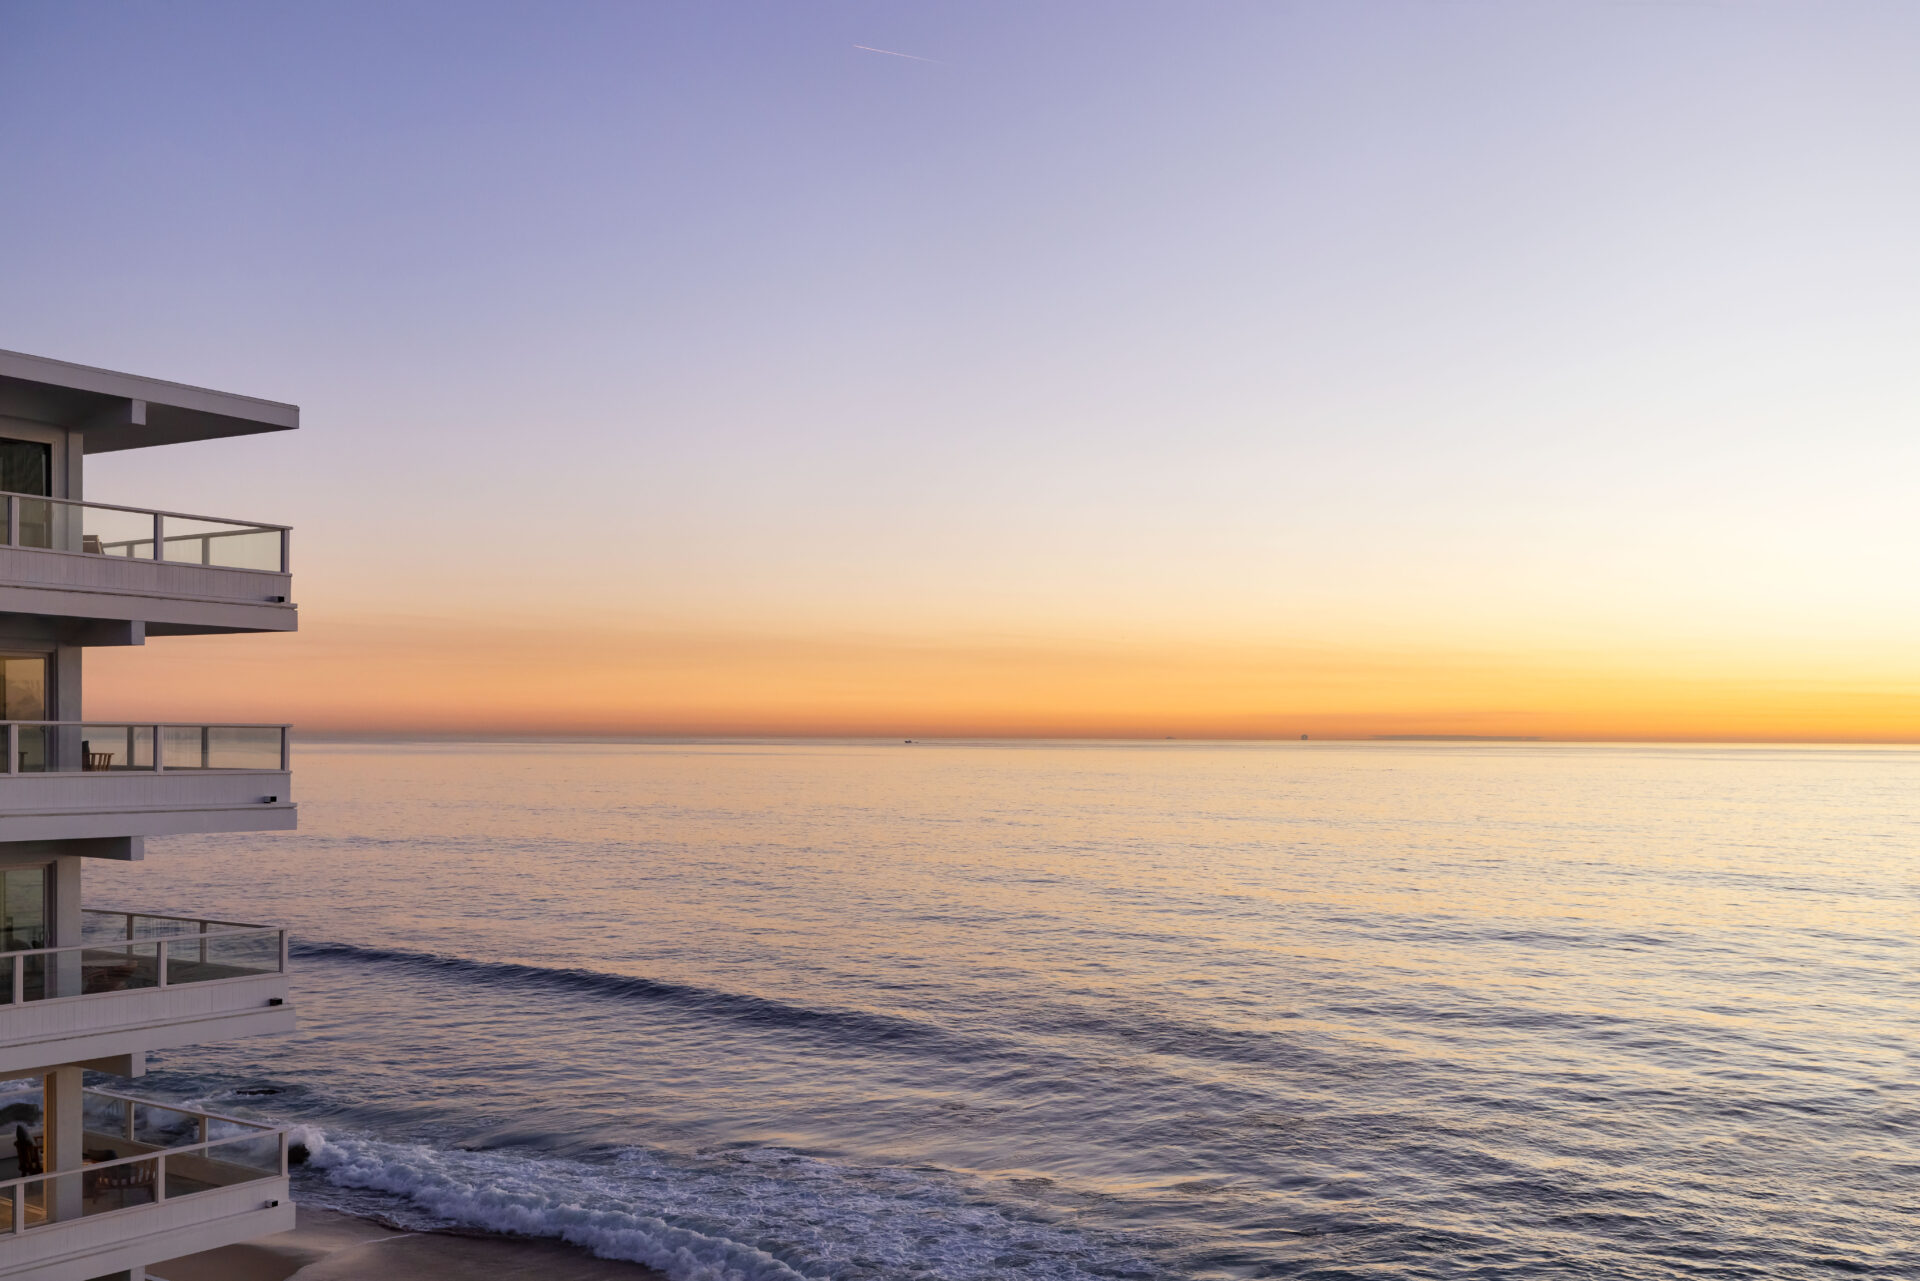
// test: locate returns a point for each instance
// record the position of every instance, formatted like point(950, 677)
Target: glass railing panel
point(123, 967)
point(108, 531)
point(34, 748)
point(103, 925)
point(97, 926)
point(186, 747)
point(38, 526)
point(120, 1186)
point(243, 747)
point(228, 544)
point(221, 747)
point(104, 1119)
point(249, 1153)
point(221, 1166)
point(223, 956)
point(146, 926)
point(158, 1126)
point(39, 978)
point(38, 1203)
point(112, 747)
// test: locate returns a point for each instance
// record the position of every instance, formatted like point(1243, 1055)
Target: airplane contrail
point(894, 53)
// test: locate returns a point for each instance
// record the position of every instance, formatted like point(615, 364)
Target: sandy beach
point(329, 1246)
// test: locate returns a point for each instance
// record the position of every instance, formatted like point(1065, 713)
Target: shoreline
point(328, 1245)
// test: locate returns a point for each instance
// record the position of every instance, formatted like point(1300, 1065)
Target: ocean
point(1130, 1010)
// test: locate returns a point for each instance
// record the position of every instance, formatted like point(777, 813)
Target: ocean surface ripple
point(759, 1011)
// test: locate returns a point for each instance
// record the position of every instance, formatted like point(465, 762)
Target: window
point(23, 908)
point(26, 467)
point(23, 688)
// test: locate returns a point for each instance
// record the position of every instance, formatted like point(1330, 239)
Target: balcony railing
point(120, 747)
point(134, 951)
point(137, 1154)
point(139, 533)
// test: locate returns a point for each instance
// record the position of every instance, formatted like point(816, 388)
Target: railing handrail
point(148, 511)
point(171, 916)
point(107, 945)
point(107, 722)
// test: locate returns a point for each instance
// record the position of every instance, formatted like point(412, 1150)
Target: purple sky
point(1505, 327)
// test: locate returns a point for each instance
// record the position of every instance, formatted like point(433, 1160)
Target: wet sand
point(328, 1246)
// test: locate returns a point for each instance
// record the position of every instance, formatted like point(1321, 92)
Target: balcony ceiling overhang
point(125, 411)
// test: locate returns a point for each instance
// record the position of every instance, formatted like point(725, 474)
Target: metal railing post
point(19, 1208)
point(159, 749)
point(19, 980)
point(128, 1105)
point(160, 1176)
point(13, 748)
point(160, 947)
point(203, 942)
point(286, 751)
point(206, 747)
point(13, 522)
point(283, 951)
point(159, 537)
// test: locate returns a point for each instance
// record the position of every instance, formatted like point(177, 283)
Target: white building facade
point(98, 1182)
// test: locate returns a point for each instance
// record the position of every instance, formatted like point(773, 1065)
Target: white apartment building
point(98, 1183)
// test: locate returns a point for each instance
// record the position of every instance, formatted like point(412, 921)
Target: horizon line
point(1506, 740)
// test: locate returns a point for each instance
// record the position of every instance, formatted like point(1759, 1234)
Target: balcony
point(74, 780)
point(140, 981)
point(157, 1182)
point(172, 573)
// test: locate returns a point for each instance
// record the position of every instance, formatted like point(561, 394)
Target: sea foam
point(759, 1214)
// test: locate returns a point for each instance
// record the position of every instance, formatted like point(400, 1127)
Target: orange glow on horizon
point(397, 677)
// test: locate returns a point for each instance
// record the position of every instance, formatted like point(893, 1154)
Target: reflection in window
point(26, 467)
point(23, 688)
point(23, 908)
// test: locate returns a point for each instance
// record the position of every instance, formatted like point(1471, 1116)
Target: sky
point(1494, 367)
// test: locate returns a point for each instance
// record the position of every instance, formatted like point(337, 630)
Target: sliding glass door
point(23, 908)
point(23, 697)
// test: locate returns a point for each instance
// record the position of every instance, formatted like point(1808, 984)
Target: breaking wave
point(756, 1214)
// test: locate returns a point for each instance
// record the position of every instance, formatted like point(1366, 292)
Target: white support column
point(61, 1139)
point(68, 925)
